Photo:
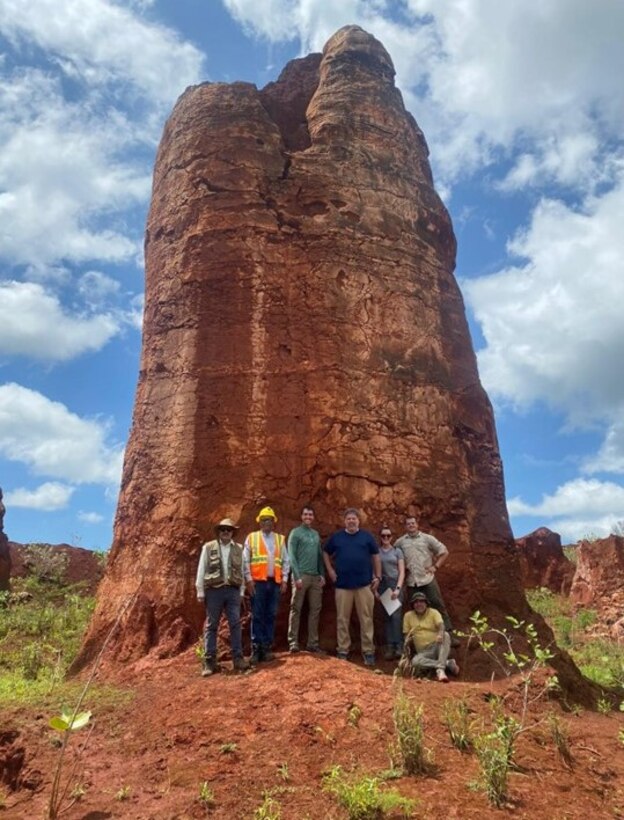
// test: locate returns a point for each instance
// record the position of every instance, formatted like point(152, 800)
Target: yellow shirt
point(422, 629)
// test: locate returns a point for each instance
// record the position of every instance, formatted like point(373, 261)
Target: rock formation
point(79, 565)
point(304, 341)
point(543, 563)
point(5, 555)
point(599, 573)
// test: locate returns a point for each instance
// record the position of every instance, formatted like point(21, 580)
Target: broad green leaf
point(59, 724)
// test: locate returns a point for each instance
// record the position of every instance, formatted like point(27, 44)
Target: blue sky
point(523, 108)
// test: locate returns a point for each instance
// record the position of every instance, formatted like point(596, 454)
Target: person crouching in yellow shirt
point(423, 628)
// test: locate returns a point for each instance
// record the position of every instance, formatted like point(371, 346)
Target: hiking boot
point(267, 654)
point(315, 650)
point(293, 649)
point(257, 655)
point(209, 667)
point(389, 653)
point(441, 676)
point(369, 659)
point(240, 664)
point(452, 667)
point(342, 656)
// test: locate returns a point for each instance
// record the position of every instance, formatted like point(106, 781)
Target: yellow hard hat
point(266, 512)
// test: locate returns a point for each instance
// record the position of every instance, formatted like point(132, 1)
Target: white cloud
point(90, 517)
point(580, 497)
point(47, 497)
point(99, 41)
point(610, 457)
point(553, 325)
point(96, 287)
point(576, 509)
point(53, 441)
point(33, 323)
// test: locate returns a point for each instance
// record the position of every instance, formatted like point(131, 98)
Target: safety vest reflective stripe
point(259, 557)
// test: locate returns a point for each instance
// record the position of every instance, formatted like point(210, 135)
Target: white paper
point(390, 604)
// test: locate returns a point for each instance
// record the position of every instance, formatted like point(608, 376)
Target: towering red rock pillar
point(304, 341)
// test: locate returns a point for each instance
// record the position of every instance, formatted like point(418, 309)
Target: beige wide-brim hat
point(226, 522)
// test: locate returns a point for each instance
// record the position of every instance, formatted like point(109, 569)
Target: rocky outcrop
point(72, 565)
point(5, 555)
point(304, 341)
point(599, 574)
point(543, 562)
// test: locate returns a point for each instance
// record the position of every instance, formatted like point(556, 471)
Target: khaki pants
point(364, 603)
point(311, 586)
point(433, 656)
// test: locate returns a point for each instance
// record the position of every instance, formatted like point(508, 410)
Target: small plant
point(456, 718)
point(228, 748)
point(493, 756)
point(408, 722)
point(621, 736)
point(78, 791)
point(123, 793)
point(353, 715)
point(206, 795)
point(604, 706)
point(364, 798)
point(283, 772)
point(561, 739)
point(269, 809)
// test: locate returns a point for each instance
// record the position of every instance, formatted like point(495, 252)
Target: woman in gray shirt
point(392, 578)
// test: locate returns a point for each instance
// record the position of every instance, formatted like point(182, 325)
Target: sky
point(522, 105)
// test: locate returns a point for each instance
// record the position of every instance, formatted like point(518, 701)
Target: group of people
point(361, 571)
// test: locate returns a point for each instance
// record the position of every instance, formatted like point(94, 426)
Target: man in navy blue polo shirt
point(355, 572)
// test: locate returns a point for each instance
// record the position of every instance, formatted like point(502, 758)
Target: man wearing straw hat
point(220, 584)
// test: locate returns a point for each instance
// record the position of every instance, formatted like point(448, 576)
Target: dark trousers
point(393, 624)
point(264, 605)
point(434, 596)
point(217, 600)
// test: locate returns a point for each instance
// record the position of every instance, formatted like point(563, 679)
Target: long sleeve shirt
point(269, 542)
point(304, 552)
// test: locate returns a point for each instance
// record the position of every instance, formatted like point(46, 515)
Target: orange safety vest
point(259, 557)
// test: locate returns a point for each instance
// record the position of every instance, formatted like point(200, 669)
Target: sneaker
point(210, 667)
point(369, 659)
point(441, 676)
point(342, 656)
point(293, 649)
point(452, 666)
point(240, 664)
point(257, 655)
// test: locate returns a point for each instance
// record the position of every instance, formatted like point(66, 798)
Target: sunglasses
point(226, 529)
point(386, 535)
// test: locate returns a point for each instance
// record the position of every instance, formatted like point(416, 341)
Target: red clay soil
point(293, 713)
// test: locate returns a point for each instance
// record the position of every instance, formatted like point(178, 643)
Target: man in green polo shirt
point(308, 576)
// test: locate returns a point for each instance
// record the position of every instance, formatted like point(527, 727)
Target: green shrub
point(365, 798)
point(410, 736)
point(456, 718)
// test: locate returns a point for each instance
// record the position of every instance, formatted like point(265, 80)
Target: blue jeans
point(393, 624)
point(264, 605)
point(217, 600)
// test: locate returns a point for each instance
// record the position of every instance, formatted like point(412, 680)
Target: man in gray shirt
point(424, 555)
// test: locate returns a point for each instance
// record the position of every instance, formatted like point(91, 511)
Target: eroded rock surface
point(543, 562)
point(304, 341)
point(5, 555)
point(599, 574)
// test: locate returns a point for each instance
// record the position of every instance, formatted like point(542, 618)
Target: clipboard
point(390, 604)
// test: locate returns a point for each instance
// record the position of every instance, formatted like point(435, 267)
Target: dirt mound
point(279, 728)
point(77, 566)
